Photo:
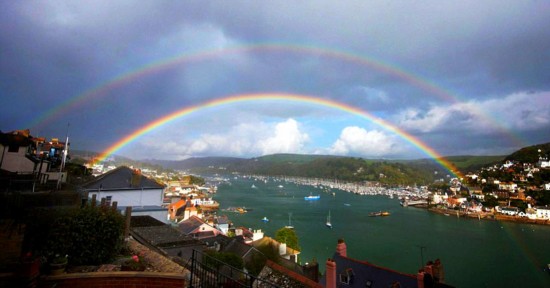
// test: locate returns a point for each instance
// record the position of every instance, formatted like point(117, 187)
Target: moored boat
point(379, 213)
point(312, 197)
point(289, 226)
point(329, 224)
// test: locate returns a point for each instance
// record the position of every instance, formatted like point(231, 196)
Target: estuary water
point(474, 253)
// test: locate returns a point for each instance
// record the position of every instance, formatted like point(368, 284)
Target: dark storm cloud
point(485, 54)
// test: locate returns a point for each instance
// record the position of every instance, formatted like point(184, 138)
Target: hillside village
point(178, 219)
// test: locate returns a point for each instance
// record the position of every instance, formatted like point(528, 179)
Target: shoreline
point(487, 216)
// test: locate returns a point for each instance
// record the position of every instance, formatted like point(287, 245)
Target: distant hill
point(199, 163)
point(530, 154)
point(419, 171)
point(473, 163)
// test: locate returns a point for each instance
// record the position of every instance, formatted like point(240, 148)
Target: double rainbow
point(126, 140)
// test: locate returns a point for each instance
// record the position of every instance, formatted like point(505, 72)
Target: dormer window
point(347, 276)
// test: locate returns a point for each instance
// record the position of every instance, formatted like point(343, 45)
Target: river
point(474, 253)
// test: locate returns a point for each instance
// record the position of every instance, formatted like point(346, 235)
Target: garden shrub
point(88, 235)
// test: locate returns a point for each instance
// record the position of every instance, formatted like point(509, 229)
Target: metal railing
point(207, 272)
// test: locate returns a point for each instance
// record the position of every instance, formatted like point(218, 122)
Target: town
point(172, 216)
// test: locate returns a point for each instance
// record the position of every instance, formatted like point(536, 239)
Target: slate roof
point(190, 224)
point(283, 277)
point(121, 179)
point(363, 272)
point(239, 248)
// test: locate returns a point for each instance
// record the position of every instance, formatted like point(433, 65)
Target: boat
point(379, 213)
point(289, 226)
point(265, 219)
point(253, 186)
point(329, 224)
point(312, 197)
point(281, 186)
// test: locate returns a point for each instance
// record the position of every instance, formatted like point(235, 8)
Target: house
point(22, 154)
point(182, 210)
point(284, 251)
point(508, 186)
point(284, 277)
point(510, 211)
point(248, 253)
point(543, 212)
point(543, 162)
point(344, 271)
point(164, 237)
point(222, 224)
point(197, 228)
point(129, 188)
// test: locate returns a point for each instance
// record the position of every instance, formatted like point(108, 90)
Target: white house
point(508, 186)
point(23, 154)
point(543, 212)
point(544, 162)
point(128, 187)
point(511, 211)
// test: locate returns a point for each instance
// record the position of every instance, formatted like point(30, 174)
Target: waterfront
point(474, 253)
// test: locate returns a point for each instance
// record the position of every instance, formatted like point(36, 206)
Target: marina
point(513, 249)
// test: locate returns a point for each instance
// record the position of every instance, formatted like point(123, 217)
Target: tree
point(287, 236)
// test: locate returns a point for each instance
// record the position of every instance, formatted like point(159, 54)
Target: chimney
point(420, 278)
point(311, 270)
point(136, 178)
point(282, 249)
point(330, 274)
point(341, 248)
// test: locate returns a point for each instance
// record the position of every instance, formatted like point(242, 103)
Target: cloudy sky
point(461, 77)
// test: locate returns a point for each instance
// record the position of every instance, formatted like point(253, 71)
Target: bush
point(88, 235)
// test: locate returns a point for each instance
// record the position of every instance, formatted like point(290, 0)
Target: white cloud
point(287, 139)
point(358, 141)
point(523, 111)
point(243, 140)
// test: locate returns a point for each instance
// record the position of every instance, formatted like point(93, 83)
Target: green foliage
point(473, 163)
point(541, 196)
point(89, 235)
point(228, 258)
point(196, 180)
point(490, 201)
point(287, 236)
point(257, 263)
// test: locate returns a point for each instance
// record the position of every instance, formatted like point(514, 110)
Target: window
point(13, 148)
point(344, 278)
point(347, 276)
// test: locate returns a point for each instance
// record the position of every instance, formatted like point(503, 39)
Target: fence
point(207, 272)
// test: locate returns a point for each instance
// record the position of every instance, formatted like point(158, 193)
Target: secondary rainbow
point(430, 152)
point(102, 89)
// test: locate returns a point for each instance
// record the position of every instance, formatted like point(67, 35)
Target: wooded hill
point(391, 172)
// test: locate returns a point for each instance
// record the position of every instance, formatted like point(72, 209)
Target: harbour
point(474, 253)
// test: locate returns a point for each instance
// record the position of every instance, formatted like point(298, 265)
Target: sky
point(459, 77)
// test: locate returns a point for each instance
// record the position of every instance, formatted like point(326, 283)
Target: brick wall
point(116, 280)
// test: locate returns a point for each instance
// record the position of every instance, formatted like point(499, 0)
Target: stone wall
point(115, 280)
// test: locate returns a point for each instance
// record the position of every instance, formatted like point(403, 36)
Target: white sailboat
point(289, 226)
point(329, 224)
